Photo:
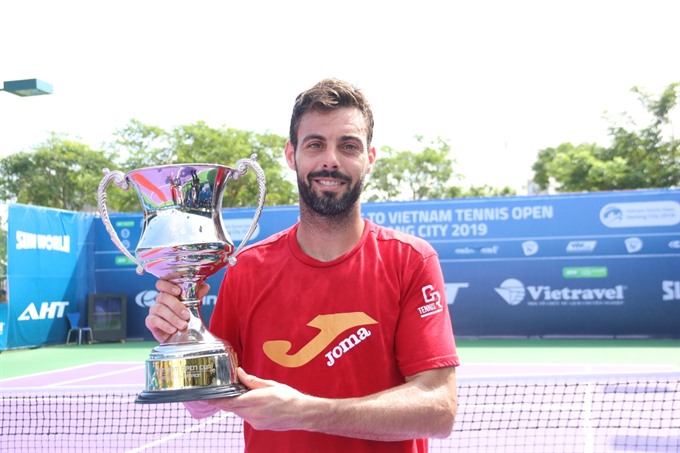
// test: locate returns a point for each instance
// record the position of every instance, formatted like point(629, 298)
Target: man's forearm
point(424, 407)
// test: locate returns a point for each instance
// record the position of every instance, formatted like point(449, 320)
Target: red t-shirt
point(346, 328)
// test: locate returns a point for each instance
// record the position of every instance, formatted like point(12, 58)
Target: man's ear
point(289, 152)
point(371, 158)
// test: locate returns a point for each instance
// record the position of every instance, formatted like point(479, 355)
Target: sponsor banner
point(577, 216)
point(589, 264)
point(49, 271)
point(643, 222)
point(615, 297)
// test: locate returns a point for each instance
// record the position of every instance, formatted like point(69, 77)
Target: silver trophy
point(184, 240)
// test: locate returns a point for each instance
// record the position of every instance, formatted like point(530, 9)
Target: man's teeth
point(329, 183)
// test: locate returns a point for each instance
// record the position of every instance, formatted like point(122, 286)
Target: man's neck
point(327, 238)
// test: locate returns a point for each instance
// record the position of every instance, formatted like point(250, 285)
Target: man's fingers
point(160, 328)
point(165, 286)
point(168, 314)
point(252, 382)
point(171, 309)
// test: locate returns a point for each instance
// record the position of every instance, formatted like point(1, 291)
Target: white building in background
point(533, 189)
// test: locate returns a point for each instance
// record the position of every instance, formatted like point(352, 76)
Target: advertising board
point(585, 265)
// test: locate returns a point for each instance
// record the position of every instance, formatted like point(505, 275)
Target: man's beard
point(327, 204)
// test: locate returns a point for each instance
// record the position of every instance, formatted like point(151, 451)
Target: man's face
point(332, 160)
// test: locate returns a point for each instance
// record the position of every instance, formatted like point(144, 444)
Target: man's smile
point(329, 182)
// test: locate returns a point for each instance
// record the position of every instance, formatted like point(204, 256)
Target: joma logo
point(329, 326)
point(347, 344)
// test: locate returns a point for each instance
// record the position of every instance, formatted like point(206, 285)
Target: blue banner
point(49, 258)
point(587, 265)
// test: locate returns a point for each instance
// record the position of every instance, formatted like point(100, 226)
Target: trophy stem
point(189, 291)
point(195, 331)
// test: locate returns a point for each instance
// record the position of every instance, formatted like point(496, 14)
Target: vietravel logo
point(514, 292)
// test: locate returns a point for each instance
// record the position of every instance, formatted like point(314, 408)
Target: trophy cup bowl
point(183, 240)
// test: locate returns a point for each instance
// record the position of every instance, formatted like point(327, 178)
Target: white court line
point(4, 382)
point(179, 434)
point(505, 370)
point(43, 373)
point(95, 376)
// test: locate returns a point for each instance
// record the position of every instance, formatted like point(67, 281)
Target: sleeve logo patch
point(432, 302)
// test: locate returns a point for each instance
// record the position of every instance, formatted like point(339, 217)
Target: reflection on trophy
point(184, 240)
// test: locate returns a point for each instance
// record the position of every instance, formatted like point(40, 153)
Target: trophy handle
point(119, 179)
point(242, 166)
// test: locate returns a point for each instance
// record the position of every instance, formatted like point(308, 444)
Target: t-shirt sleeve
point(424, 337)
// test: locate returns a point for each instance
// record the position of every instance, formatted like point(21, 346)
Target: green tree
point(636, 159)
point(407, 175)
point(140, 145)
point(200, 143)
point(488, 191)
point(59, 173)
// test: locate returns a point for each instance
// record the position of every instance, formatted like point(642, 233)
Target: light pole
point(28, 87)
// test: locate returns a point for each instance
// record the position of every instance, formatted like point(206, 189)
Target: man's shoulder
point(268, 244)
point(389, 236)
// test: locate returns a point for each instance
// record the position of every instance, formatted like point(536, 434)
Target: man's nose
point(330, 158)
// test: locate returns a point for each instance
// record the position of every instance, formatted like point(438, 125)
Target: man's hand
point(267, 405)
point(168, 314)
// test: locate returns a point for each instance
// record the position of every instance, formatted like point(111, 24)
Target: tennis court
point(514, 396)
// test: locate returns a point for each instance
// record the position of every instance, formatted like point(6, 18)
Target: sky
point(499, 80)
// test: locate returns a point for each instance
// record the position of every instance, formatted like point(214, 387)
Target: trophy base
point(192, 365)
point(197, 394)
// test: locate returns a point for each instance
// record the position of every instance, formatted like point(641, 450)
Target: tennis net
point(589, 414)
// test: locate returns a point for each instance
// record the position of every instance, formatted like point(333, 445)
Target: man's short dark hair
point(328, 95)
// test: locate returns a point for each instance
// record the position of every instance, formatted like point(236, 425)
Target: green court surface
point(634, 352)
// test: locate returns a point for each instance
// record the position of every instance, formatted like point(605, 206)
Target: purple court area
point(502, 407)
point(132, 373)
point(93, 374)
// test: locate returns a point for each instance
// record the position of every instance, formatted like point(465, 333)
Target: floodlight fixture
point(28, 87)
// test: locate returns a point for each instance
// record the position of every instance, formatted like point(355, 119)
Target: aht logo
point(48, 310)
point(671, 290)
